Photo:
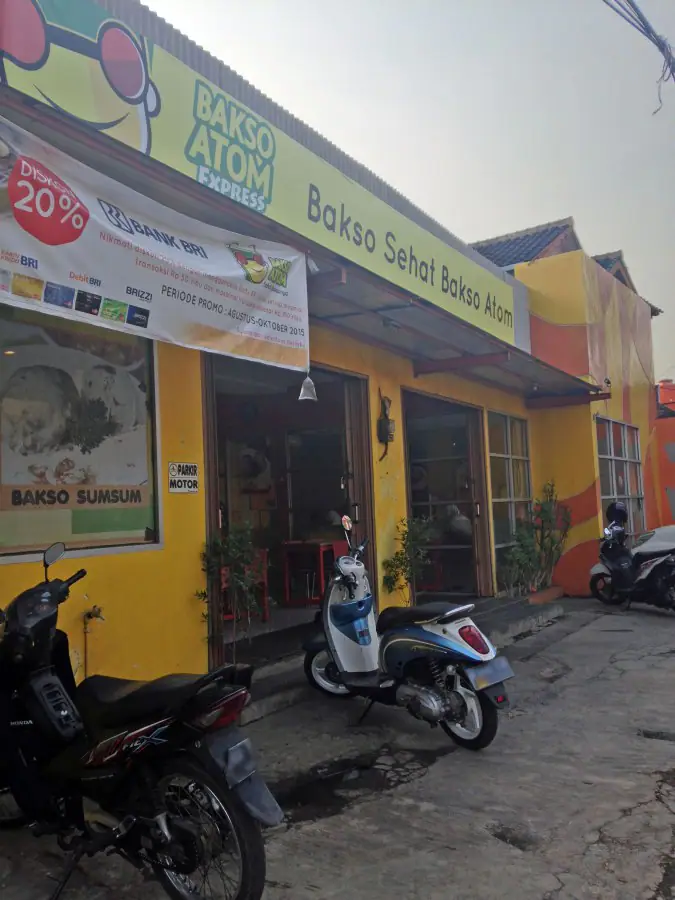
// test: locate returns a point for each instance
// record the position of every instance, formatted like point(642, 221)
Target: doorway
point(446, 486)
point(287, 471)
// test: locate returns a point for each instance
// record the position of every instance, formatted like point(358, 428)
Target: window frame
point(612, 458)
point(11, 555)
point(511, 500)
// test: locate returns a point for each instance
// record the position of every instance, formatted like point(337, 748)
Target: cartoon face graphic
point(252, 262)
point(99, 78)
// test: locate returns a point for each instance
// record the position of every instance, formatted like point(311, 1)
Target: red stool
point(318, 552)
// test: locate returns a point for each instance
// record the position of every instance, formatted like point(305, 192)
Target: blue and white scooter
point(430, 659)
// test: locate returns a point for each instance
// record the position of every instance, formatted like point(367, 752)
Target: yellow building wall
point(556, 287)
point(391, 374)
point(564, 451)
point(153, 623)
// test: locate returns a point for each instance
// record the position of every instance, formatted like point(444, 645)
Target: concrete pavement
point(574, 800)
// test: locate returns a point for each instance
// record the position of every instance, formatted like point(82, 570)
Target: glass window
point(497, 428)
point(620, 477)
point(510, 478)
point(521, 478)
point(499, 475)
point(76, 435)
point(617, 440)
point(603, 437)
point(606, 478)
point(436, 438)
point(503, 524)
point(518, 438)
point(620, 470)
point(634, 480)
point(523, 511)
point(633, 443)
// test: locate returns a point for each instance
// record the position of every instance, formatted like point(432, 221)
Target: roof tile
point(522, 246)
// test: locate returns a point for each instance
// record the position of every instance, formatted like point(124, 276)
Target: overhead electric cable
point(630, 12)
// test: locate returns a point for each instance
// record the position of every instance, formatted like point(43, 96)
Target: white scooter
point(430, 659)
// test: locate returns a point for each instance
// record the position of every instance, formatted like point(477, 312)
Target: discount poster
point(78, 245)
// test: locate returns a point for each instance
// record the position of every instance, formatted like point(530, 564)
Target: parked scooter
point(156, 772)
point(429, 659)
point(645, 574)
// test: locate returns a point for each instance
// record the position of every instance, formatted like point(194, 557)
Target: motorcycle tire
point(319, 678)
point(488, 731)
point(243, 828)
point(608, 598)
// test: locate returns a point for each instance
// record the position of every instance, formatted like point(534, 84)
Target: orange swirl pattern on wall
point(585, 321)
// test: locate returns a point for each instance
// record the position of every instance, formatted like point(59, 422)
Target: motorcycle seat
point(643, 553)
point(115, 702)
point(426, 613)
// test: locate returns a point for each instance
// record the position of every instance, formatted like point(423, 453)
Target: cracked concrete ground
point(574, 800)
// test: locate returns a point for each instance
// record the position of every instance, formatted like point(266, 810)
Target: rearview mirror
point(53, 554)
point(347, 523)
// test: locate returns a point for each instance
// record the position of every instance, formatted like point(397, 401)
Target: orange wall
point(665, 444)
point(585, 321)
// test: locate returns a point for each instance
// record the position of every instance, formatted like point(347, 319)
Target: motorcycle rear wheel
point(223, 824)
point(601, 589)
point(484, 726)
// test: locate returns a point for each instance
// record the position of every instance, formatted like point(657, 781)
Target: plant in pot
point(230, 563)
point(538, 545)
point(414, 535)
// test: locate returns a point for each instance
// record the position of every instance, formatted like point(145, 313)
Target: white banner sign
point(183, 478)
point(76, 244)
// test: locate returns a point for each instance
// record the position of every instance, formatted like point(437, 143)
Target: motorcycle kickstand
point(71, 865)
point(371, 704)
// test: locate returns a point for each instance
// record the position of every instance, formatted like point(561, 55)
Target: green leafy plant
point(539, 544)
point(235, 552)
point(89, 424)
point(412, 557)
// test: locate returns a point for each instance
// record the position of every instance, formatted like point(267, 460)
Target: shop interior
point(284, 468)
point(443, 464)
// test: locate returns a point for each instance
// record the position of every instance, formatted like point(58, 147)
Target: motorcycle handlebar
point(69, 582)
point(359, 551)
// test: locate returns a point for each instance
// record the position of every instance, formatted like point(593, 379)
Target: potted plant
point(411, 559)
point(230, 563)
point(538, 546)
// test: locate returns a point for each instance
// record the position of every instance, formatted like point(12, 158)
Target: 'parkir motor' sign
point(183, 478)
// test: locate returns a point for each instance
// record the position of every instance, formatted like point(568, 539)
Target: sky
point(490, 115)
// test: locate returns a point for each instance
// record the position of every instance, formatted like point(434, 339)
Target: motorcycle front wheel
point(322, 674)
point(227, 841)
point(601, 589)
point(478, 728)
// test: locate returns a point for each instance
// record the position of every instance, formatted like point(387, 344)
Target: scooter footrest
point(365, 682)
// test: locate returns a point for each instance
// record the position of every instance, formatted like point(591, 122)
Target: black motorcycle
point(156, 772)
point(644, 574)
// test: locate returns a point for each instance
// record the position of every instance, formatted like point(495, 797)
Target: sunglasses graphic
point(26, 38)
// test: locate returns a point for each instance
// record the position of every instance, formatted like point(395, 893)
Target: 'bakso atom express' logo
point(232, 148)
point(257, 269)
